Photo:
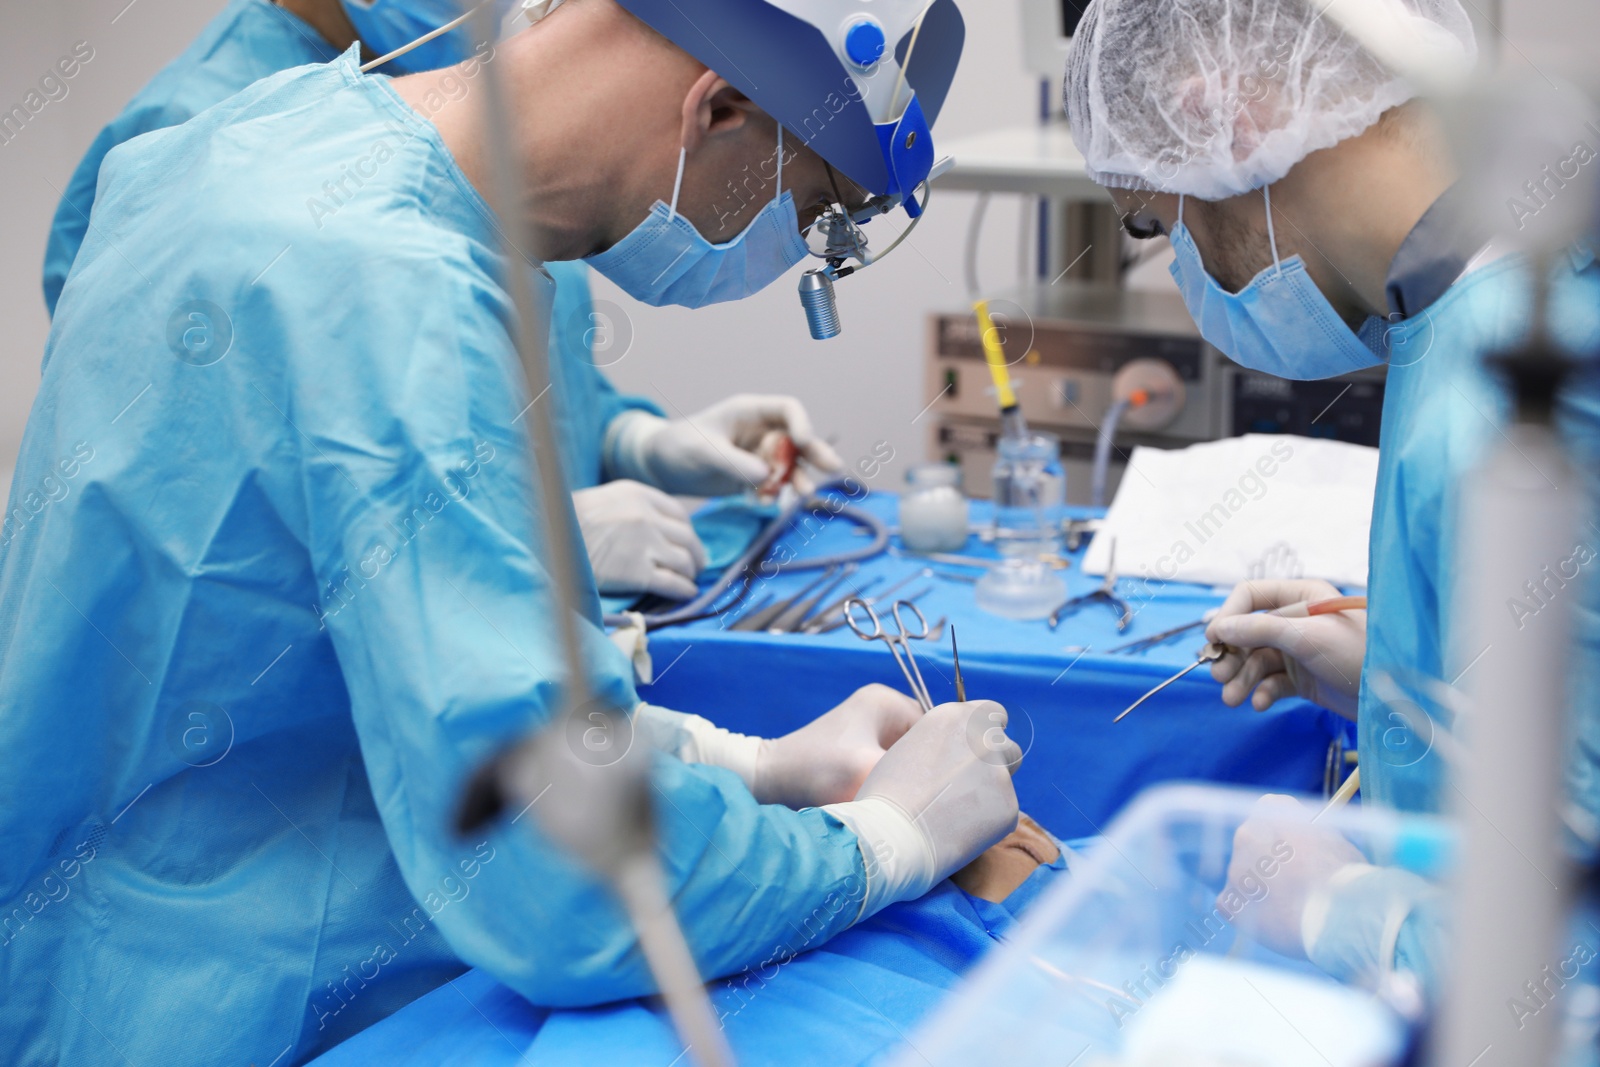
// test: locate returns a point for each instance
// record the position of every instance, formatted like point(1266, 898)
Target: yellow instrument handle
point(995, 356)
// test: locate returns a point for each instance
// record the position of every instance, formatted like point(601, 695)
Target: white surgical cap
point(1213, 98)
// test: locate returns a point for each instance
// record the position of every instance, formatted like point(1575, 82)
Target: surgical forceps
point(898, 642)
point(1106, 592)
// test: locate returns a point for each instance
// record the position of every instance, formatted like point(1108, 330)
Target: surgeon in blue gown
point(1319, 228)
point(270, 587)
point(639, 540)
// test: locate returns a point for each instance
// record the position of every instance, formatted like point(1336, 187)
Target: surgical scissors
point(1107, 592)
point(897, 642)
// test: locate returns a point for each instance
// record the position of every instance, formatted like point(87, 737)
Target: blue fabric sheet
point(1080, 768)
point(850, 1001)
point(726, 526)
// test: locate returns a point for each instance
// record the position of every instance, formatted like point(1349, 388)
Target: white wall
point(130, 43)
point(861, 387)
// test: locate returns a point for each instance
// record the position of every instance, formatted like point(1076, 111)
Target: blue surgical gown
point(854, 1001)
point(249, 40)
point(1442, 410)
point(271, 588)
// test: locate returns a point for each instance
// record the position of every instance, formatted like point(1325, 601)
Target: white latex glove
point(939, 797)
point(827, 760)
point(1317, 658)
point(639, 540)
point(1281, 864)
point(713, 453)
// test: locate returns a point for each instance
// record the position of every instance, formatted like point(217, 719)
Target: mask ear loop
point(1266, 195)
point(677, 183)
point(779, 194)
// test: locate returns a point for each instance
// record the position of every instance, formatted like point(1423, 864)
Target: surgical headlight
point(837, 237)
point(859, 82)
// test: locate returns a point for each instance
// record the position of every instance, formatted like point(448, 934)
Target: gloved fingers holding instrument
point(639, 540)
point(743, 442)
point(1271, 656)
point(827, 760)
point(824, 762)
point(940, 796)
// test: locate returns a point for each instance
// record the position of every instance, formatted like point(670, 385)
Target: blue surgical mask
point(384, 25)
point(1280, 323)
point(665, 260)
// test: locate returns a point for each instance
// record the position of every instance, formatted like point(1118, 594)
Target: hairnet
point(1213, 98)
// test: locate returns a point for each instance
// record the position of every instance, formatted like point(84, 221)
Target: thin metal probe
point(955, 654)
point(1209, 654)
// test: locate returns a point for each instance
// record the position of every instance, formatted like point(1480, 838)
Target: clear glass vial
point(1030, 491)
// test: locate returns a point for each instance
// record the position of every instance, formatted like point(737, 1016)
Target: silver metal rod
point(603, 813)
point(667, 952)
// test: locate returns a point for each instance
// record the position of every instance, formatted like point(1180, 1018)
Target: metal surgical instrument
point(899, 642)
point(832, 612)
point(839, 620)
point(1208, 654)
point(797, 613)
point(831, 618)
point(759, 620)
point(1306, 609)
point(1164, 636)
point(1053, 560)
point(1107, 592)
point(955, 654)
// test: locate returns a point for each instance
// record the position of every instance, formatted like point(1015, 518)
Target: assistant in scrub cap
point(1213, 98)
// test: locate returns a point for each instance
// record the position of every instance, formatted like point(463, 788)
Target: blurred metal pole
point(591, 781)
point(1520, 516)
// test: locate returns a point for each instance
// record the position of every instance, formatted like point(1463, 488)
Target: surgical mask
point(384, 25)
point(665, 260)
point(1280, 323)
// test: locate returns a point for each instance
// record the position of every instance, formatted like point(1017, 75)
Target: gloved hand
point(1281, 864)
point(713, 453)
point(826, 760)
point(639, 540)
point(1318, 658)
point(935, 800)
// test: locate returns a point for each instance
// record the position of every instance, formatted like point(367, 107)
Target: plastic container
point(1020, 588)
point(1131, 960)
point(933, 511)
